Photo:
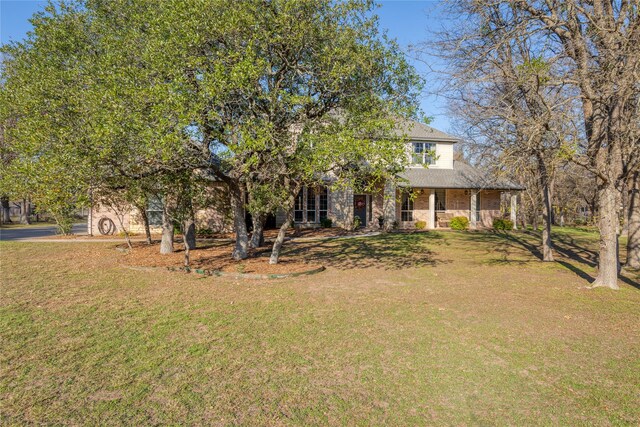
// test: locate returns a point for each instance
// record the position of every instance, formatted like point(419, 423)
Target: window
point(406, 211)
point(298, 212)
point(323, 203)
point(311, 205)
point(154, 211)
point(441, 201)
point(422, 153)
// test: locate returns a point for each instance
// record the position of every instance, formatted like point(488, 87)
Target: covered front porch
point(435, 207)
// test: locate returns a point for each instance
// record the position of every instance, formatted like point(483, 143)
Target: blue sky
point(409, 21)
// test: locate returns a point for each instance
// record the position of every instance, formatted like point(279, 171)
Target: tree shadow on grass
point(388, 251)
point(573, 252)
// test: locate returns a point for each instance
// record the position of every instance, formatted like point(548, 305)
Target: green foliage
point(204, 232)
point(357, 222)
point(459, 223)
point(421, 225)
point(502, 224)
point(326, 222)
point(133, 97)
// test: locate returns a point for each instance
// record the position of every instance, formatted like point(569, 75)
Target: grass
point(426, 328)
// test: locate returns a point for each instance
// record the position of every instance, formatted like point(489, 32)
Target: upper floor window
point(423, 153)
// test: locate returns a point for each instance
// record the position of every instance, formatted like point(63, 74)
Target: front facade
point(429, 193)
point(432, 190)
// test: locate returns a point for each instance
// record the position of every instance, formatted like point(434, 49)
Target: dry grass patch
point(431, 328)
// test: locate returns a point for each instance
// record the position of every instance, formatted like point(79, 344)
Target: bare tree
point(633, 223)
point(600, 40)
point(505, 87)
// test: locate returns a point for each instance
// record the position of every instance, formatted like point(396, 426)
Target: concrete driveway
point(11, 234)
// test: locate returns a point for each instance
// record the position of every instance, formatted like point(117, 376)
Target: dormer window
point(423, 153)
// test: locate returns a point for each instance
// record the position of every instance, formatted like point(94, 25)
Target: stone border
point(218, 273)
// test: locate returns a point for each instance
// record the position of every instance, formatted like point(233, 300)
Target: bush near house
point(326, 223)
point(356, 222)
point(502, 224)
point(459, 223)
point(421, 225)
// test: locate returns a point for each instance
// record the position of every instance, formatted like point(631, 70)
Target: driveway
point(9, 234)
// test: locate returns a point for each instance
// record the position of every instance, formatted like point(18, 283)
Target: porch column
point(432, 209)
point(474, 213)
point(514, 207)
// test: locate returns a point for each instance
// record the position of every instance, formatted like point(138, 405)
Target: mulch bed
point(213, 257)
point(291, 232)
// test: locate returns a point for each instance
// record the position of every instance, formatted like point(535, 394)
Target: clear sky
point(409, 21)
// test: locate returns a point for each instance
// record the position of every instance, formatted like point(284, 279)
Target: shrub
point(502, 224)
point(356, 222)
point(204, 232)
point(459, 223)
point(421, 225)
point(326, 223)
point(395, 225)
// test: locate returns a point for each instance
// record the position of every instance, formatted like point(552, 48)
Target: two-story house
point(433, 189)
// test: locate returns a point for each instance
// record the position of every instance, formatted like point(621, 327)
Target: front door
point(360, 208)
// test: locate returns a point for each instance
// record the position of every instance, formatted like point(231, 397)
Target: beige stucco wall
point(444, 154)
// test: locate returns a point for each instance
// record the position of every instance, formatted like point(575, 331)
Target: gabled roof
point(462, 176)
point(419, 131)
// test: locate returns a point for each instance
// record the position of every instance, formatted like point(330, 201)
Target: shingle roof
point(417, 130)
point(462, 176)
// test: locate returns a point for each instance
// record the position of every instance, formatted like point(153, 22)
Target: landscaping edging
point(219, 273)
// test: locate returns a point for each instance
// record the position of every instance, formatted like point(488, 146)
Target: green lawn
point(430, 328)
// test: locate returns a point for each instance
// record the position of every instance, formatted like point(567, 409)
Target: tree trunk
point(166, 244)
point(24, 212)
point(608, 263)
point(277, 245)
point(6, 211)
point(633, 224)
point(237, 207)
point(257, 237)
point(145, 222)
point(189, 226)
point(547, 211)
point(119, 217)
point(547, 244)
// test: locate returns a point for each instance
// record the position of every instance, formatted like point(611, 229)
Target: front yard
point(425, 328)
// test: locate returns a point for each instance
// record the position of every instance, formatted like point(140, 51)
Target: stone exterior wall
point(340, 211)
point(458, 203)
point(216, 218)
point(99, 212)
point(489, 207)
point(341, 207)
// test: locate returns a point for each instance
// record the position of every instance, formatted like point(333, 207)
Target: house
point(433, 189)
